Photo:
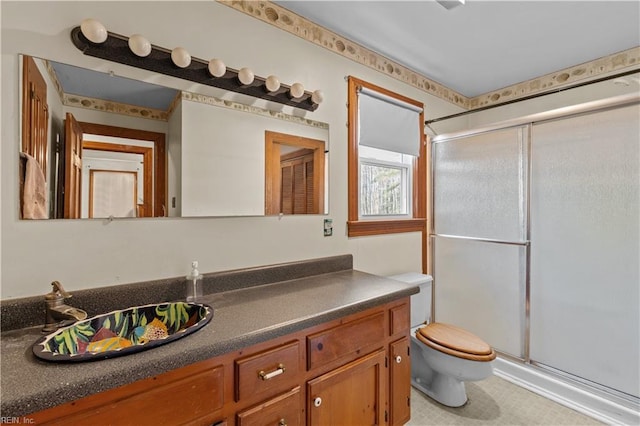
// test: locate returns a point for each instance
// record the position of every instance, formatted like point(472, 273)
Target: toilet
point(443, 356)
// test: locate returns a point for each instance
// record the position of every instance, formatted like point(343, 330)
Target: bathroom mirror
point(110, 146)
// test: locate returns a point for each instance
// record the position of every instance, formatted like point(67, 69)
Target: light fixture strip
point(138, 52)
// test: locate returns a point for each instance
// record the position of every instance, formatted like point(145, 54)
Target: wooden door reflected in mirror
point(294, 174)
point(116, 144)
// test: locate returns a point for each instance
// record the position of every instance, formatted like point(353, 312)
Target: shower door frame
point(524, 134)
point(527, 123)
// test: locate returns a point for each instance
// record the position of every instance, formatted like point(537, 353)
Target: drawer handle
point(398, 359)
point(266, 376)
point(282, 422)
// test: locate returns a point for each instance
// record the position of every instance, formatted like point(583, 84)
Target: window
point(387, 162)
point(385, 183)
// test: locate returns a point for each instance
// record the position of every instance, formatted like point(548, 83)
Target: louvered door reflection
point(297, 184)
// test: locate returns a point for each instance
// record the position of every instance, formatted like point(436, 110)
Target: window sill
point(378, 227)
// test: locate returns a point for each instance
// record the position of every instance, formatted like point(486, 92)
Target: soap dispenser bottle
point(194, 283)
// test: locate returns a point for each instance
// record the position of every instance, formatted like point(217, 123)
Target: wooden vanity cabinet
point(353, 370)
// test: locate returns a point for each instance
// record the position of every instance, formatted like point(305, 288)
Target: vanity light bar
point(178, 63)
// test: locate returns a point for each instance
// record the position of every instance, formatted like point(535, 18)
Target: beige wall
point(91, 253)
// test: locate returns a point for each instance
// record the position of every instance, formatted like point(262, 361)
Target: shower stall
point(536, 240)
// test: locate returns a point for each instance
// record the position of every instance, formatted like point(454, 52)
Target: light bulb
point(93, 30)
point(139, 45)
point(296, 90)
point(245, 75)
point(217, 68)
point(181, 57)
point(272, 83)
point(317, 97)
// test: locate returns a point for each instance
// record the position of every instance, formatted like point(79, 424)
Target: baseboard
point(595, 404)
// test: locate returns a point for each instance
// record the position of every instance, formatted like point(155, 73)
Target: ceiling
point(484, 45)
point(98, 85)
point(473, 49)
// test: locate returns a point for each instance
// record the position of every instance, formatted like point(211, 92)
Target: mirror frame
point(160, 207)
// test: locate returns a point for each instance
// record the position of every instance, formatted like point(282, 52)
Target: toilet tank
point(421, 302)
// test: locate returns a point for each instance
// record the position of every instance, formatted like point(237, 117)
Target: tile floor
point(495, 401)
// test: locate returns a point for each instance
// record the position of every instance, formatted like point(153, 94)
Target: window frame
point(417, 221)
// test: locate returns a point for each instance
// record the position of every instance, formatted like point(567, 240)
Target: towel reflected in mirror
point(33, 189)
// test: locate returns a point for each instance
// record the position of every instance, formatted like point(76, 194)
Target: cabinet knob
point(398, 359)
point(282, 422)
point(317, 401)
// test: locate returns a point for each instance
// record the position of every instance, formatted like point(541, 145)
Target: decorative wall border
point(54, 77)
point(286, 20)
point(156, 114)
point(113, 107)
point(213, 101)
point(626, 59)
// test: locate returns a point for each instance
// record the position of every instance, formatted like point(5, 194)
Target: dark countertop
point(241, 318)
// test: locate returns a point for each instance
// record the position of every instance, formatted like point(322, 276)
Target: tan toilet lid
point(455, 341)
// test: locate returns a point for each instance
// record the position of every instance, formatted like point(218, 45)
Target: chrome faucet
point(57, 313)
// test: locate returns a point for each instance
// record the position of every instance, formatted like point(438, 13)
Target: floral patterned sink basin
point(123, 332)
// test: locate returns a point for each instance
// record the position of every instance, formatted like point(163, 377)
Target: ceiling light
point(246, 76)
point(139, 45)
point(296, 90)
point(93, 30)
point(450, 4)
point(317, 97)
point(217, 68)
point(272, 83)
point(181, 57)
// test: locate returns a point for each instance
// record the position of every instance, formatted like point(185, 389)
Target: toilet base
point(444, 389)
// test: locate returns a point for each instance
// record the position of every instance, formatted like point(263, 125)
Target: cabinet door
point(353, 394)
point(400, 382)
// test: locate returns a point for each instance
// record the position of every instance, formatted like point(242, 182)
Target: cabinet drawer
point(286, 409)
point(399, 319)
point(268, 372)
point(171, 397)
point(345, 340)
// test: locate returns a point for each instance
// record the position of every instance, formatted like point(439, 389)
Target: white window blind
point(388, 123)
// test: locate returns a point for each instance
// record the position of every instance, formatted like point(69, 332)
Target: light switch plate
point(328, 227)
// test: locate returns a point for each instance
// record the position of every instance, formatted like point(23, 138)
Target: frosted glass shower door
point(585, 236)
point(480, 247)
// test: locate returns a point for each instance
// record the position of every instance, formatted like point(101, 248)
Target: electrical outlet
point(328, 227)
